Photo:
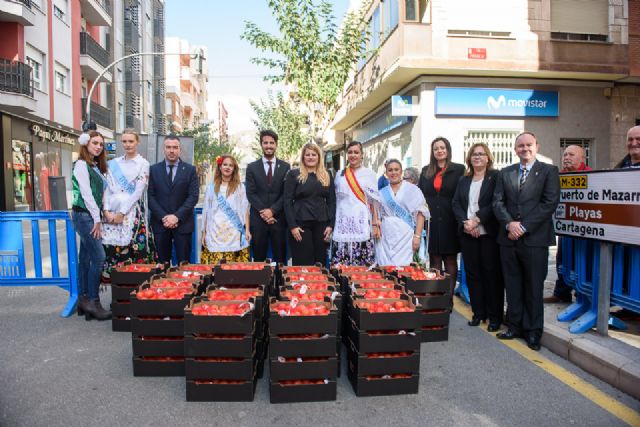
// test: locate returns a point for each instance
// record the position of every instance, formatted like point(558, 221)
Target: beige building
point(187, 77)
point(486, 70)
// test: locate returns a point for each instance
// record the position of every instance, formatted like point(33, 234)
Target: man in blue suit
point(173, 193)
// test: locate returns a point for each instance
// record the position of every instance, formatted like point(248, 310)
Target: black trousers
point(524, 268)
point(484, 276)
point(169, 238)
point(262, 233)
point(561, 290)
point(312, 248)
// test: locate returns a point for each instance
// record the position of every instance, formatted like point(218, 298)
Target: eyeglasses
point(479, 154)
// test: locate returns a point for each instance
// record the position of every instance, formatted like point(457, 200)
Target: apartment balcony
point(17, 11)
point(16, 88)
point(97, 12)
point(93, 58)
point(187, 102)
point(99, 114)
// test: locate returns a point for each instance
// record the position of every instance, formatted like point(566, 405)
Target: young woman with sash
point(125, 235)
point(310, 207)
point(438, 182)
point(357, 222)
point(88, 183)
point(403, 211)
point(225, 216)
point(478, 230)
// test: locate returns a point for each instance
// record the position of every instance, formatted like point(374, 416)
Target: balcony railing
point(99, 114)
point(88, 46)
point(27, 3)
point(15, 77)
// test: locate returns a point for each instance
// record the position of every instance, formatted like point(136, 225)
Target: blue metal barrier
point(625, 283)
point(462, 290)
point(12, 253)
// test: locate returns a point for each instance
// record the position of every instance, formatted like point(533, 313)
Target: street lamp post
point(87, 125)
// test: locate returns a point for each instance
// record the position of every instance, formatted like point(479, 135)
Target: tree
point(284, 118)
point(312, 53)
point(206, 147)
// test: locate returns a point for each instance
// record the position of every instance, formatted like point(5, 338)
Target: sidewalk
point(615, 359)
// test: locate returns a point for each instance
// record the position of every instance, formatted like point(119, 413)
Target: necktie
point(269, 173)
point(170, 174)
point(523, 177)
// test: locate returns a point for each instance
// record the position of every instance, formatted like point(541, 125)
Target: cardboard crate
point(121, 309)
point(437, 317)
point(121, 277)
point(158, 326)
point(202, 392)
point(120, 324)
point(157, 346)
point(434, 333)
point(237, 369)
point(122, 292)
point(367, 342)
point(361, 364)
point(258, 300)
point(325, 324)
point(225, 274)
point(427, 286)
point(435, 301)
point(366, 321)
point(325, 392)
point(221, 346)
point(303, 369)
point(383, 387)
point(239, 325)
point(158, 307)
point(326, 346)
point(153, 367)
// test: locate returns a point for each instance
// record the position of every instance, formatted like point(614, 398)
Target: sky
point(218, 25)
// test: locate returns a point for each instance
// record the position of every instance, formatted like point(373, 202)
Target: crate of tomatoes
point(243, 273)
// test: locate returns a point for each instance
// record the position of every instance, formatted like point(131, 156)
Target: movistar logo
point(495, 104)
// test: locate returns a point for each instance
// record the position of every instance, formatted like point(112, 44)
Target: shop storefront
point(38, 161)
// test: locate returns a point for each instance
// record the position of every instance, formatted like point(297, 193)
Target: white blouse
point(474, 196)
point(116, 198)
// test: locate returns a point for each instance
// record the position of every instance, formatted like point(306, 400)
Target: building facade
point(485, 71)
point(187, 77)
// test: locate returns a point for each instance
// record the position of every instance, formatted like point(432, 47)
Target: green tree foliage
point(206, 147)
point(311, 53)
point(284, 118)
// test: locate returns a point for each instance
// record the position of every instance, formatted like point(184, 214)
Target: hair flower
point(218, 160)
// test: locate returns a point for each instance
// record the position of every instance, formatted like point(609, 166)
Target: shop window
point(585, 143)
point(22, 178)
point(500, 143)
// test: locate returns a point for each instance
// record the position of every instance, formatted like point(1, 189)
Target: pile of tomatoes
point(387, 377)
point(136, 268)
point(196, 267)
point(311, 309)
point(171, 284)
point(163, 293)
point(300, 336)
point(352, 268)
point(311, 296)
point(302, 359)
point(367, 276)
point(301, 382)
point(376, 294)
point(306, 276)
point(205, 309)
point(304, 269)
point(220, 295)
point(422, 275)
point(387, 284)
point(314, 286)
point(183, 275)
point(385, 307)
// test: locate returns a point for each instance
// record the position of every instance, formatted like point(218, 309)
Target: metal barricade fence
point(625, 283)
point(13, 266)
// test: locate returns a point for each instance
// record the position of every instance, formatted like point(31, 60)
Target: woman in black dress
point(310, 207)
point(438, 182)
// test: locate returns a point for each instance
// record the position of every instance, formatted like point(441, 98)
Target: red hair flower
point(218, 160)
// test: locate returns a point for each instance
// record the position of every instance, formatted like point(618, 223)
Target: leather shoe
point(508, 335)
point(493, 327)
point(475, 321)
point(533, 342)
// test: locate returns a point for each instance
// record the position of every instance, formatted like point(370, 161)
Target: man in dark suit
point(173, 193)
point(265, 188)
point(524, 201)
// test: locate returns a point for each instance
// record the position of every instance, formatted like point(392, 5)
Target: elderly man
point(412, 175)
point(632, 159)
point(573, 160)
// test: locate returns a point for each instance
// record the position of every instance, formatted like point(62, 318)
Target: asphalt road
point(69, 372)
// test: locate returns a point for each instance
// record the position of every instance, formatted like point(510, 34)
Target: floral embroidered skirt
point(207, 257)
point(141, 250)
point(353, 253)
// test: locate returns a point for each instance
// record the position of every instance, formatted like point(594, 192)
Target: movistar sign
point(496, 102)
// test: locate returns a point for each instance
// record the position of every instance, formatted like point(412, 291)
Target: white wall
point(37, 36)
point(61, 35)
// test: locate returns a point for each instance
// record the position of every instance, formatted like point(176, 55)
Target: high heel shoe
point(95, 310)
point(81, 306)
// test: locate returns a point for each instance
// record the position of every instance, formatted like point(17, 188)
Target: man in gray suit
point(524, 201)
